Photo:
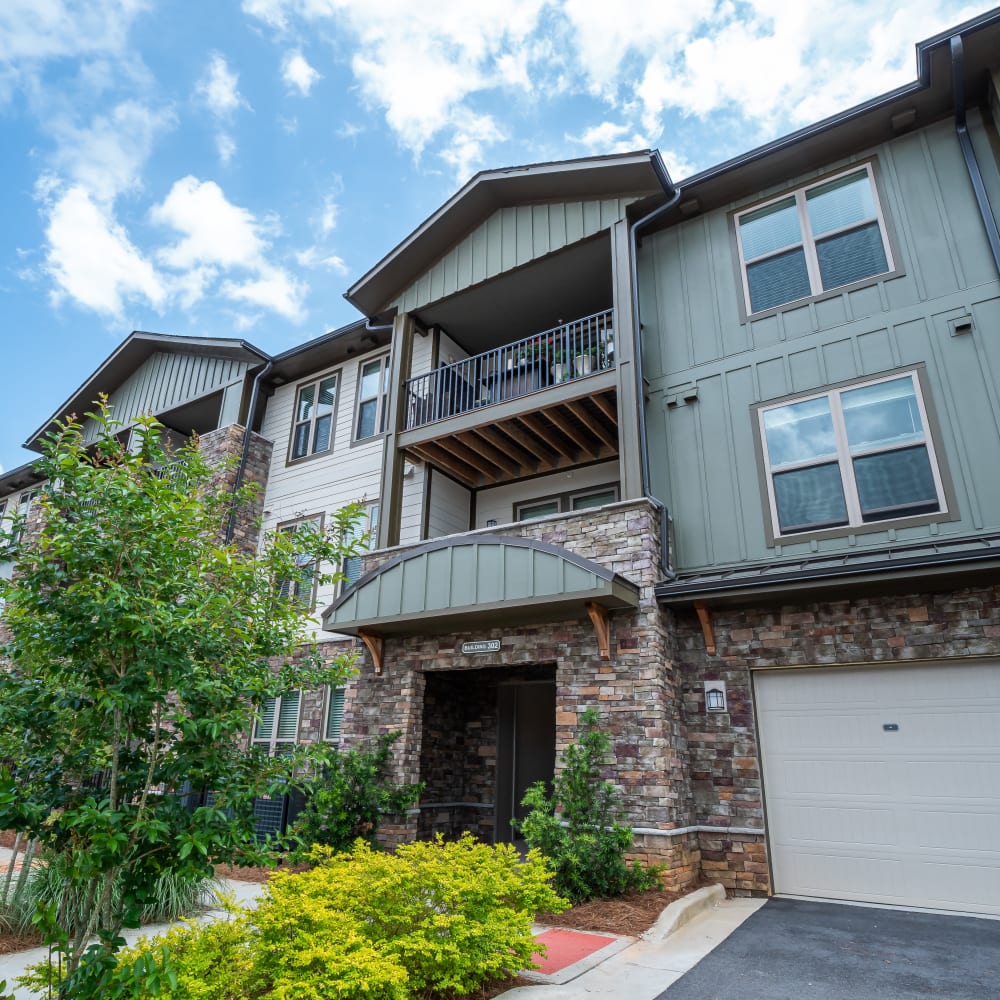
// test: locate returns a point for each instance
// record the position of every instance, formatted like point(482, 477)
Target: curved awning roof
point(453, 584)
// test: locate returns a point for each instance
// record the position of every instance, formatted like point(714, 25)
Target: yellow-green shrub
point(363, 925)
point(454, 915)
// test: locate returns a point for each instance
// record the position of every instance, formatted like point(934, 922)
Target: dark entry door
point(526, 750)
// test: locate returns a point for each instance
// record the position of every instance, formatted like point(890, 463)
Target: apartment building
point(718, 458)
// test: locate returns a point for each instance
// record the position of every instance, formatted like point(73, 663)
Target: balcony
point(533, 406)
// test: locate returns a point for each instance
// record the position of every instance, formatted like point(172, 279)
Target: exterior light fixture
point(491, 523)
point(715, 696)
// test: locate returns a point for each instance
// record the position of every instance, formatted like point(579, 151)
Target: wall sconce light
point(491, 523)
point(715, 696)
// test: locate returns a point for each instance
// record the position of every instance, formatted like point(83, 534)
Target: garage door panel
point(883, 783)
point(804, 824)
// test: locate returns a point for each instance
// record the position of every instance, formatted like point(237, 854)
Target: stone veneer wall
point(725, 768)
point(226, 444)
point(637, 691)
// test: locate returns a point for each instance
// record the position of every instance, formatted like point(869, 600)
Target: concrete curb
point(678, 913)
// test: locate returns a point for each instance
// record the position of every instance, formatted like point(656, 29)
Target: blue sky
point(227, 168)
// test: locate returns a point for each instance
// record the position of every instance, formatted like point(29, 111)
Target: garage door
point(882, 784)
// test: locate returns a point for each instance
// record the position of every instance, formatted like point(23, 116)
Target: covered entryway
point(487, 735)
point(882, 784)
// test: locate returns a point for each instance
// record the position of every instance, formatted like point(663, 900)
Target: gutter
point(245, 453)
point(669, 188)
point(969, 152)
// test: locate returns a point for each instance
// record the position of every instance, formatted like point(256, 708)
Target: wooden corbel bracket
point(376, 647)
point(705, 617)
point(599, 617)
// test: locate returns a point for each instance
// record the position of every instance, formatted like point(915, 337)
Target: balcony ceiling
point(571, 425)
point(538, 296)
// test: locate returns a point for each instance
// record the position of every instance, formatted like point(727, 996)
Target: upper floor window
point(312, 430)
point(850, 456)
point(301, 587)
point(373, 387)
point(367, 526)
point(820, 237)
point(276, 727)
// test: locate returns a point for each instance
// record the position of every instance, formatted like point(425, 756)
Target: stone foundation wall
point(725, 768)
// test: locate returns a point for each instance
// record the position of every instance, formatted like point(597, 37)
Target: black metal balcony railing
point(571, 351)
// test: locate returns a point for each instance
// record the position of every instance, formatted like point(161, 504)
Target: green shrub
point(578, 827)
point(453, 915)
point(349, 795)
point(362, 925)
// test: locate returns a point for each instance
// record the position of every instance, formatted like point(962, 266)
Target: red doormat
point(566, 947)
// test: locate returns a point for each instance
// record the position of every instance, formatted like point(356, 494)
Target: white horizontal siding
point(323, 483)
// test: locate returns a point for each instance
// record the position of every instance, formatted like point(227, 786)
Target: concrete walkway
point(645, 968)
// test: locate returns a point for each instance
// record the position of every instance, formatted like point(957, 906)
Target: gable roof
point(130, 354)
point(640, 173)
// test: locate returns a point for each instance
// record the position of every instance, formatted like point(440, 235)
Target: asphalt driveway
point(800, 950)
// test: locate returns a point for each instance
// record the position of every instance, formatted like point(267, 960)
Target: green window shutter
point(265, 723)
point(288, 717)
point(335, 714)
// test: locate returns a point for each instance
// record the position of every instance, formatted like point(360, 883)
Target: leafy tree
point(348, 796)
point(578, 827)
point(138, 643)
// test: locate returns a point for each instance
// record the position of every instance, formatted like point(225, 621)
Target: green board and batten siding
point(702, 453)
point(470, 577)
point(166, 380)
point(509, 238)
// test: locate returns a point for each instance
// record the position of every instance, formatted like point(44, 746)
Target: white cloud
point(466, 150)
point(91, 258)
point(218, 236)
point(327, 220)
point(609, 137)
point(444, 78)
point(37, 30)
point(272, 288)
point(313, 257)
point(297, 73)
point(107, 156)
point(218, 89)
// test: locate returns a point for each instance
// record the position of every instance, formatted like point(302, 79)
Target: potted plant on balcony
point(583, 363)
point(560, 368)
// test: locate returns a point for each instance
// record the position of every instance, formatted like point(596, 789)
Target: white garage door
point(882, 784)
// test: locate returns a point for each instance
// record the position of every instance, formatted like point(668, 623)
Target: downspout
point(969, 152)
point(241, 469)
point(633, 244)
point(372, 327)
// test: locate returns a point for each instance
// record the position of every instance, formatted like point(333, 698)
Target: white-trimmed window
point(334, 714)
point(312, 426)
point(584, 500)
point(276, 727)
point(368, 525)
point(823, 236)
point(24, 502)
point(373, 384)
point(850, 456)
point(301, 587)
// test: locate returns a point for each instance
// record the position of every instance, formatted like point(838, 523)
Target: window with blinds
point(850, 456)
point(821, 237)
point(367, 527)
point(277, 724)
point(312, 425)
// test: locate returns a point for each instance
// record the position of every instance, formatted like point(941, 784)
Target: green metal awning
point(454, 584)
